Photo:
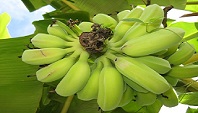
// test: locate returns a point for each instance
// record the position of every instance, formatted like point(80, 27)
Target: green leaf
point(33, 5)
point(20, 92)
point(59, 14)
point(192, 5)
point(102, 6)
point(192, 110)
point(4, 21)
point(79, 106)
point(190, 98)
point(191, 30)
point(178, 4)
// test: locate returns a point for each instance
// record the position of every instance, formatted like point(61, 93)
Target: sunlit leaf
point(4, 21)
point(190, 98)
point(192, 5)
point(192, 110)
point(20, 92)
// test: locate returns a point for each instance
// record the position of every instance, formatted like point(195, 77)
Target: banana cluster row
point(140, 63)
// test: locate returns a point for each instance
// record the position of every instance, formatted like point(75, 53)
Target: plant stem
point(191, 82)
point(67, 104)
point(192, 3)
point(71, 5)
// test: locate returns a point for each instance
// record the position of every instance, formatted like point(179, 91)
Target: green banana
point(153, 42)
point(57, 69)
point(151, 17)
point(124, 26)
point(85, 26)
point(90, 91)
point(186, 71)
point(169, 98)
point(160, 65)
point(185, 52)
point(145, 99)
point(42, 40)
point(171, 80)
point(132, 107)
point(76, 78)
point(191, 60)
point(56, 30)
point(105, 20)
point(110, 87)
point(134, 85)
point(44, 56)
point(122, 14)
point(140, 74)
point(128, 95)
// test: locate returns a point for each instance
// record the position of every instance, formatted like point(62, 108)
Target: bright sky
point(21, 25)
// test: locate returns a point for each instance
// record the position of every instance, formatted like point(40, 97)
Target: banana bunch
point(119, 62)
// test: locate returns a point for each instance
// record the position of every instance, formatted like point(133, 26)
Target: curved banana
point(110, 87)
point(90, 91)
point(105, 20)
point(186, 71)
point(160, 65)
point(85, 26)
point(171, 80)
point(169, 98)
point(185, 52)
point(42, 40)
point(124, 26)
point(122, 14)
point(134, 85)
point(153, 42)
point(76, 78)
point(44, 56)
point(56, 30)
point(57, 69)
point(151, 17)
point(145, 99)
point(128, 95)
point(140, 74)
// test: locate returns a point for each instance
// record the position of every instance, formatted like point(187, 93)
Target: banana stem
point(110, 56)
point(189, 37)
point(67, 104)
point(193, 59)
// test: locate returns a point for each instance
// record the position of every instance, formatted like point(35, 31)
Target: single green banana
point(153, 42)
point(186, 71)
point(140, 74)
point(145, 99)
point(160, 65)
point(151, 19)
point(90, 91)
point(56, 30)
point(76, 78)
point(132, 107)
point(57, 69)
point(42, 40)
point(111, 86)
point(184, 52)
point(124, 26)
point(105, 20)
point(170, 51)
point(85, 26)
point(169, 98)
point(128, 96)
point(134, 85)
point(122, 14)
point(171, 80)
point(44, 56)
